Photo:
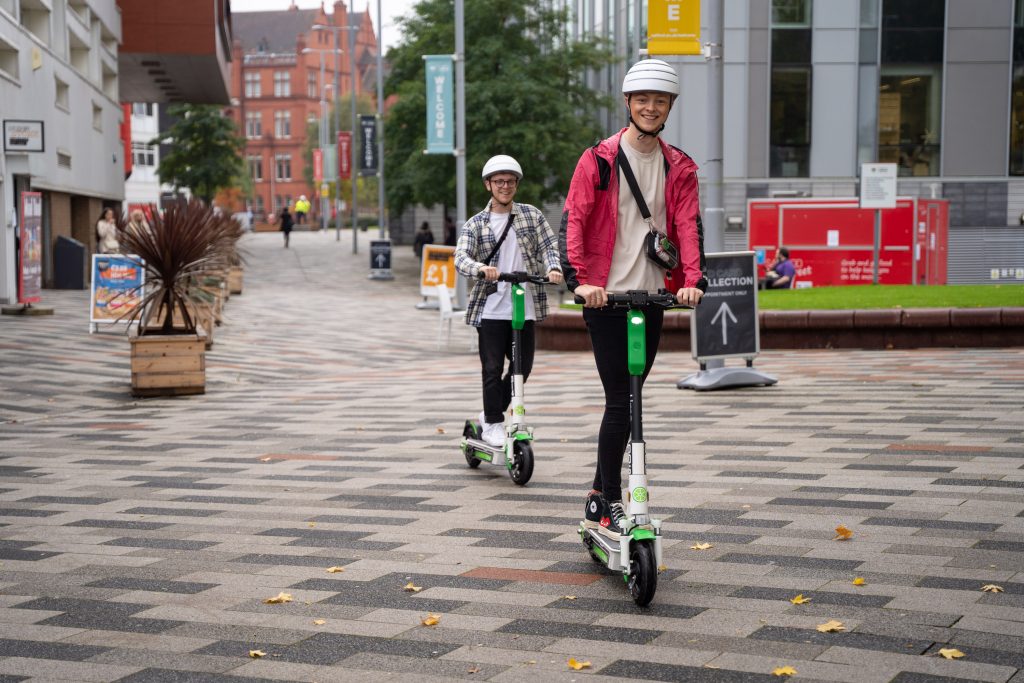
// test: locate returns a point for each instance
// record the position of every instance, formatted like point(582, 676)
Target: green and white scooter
point(516, 455)
point(637, 553)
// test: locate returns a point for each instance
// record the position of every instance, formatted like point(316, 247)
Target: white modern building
point(143, 185)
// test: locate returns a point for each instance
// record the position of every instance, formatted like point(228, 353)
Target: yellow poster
point(437, 268)
point(673, 27)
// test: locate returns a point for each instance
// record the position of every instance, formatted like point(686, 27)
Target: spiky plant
point(179, 247)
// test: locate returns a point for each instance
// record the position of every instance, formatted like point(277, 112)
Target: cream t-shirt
point(630, 268)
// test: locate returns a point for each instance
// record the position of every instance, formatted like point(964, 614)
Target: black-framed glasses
point(511, 182)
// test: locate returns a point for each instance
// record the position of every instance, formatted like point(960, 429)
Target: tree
point(525, 96)
point(205, 153)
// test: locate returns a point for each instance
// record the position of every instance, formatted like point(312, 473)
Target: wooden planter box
point(235, 280)
point(168, 365)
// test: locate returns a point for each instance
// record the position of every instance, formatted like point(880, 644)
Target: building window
point(143, 154)
point(253, 124)
point(142, 109)
point(282, 124)
point(910, 85)
point(277, 203)
point(260, 206)
point(790, 109)
point(252, 84)
point(282, 84)
point(63, 97)
point(35, 17)
point(97, 117)
point(256, 168)
point(311, 84)
point(1017, 94)
point(8, 59)
point(283, 167)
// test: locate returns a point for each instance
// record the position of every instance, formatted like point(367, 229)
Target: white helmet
point(502, 163)
point(651, 75)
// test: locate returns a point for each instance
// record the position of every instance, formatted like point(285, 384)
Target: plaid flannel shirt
point(537, 243)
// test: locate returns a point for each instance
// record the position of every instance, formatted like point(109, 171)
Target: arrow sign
point(724, 311)
point(381, 260)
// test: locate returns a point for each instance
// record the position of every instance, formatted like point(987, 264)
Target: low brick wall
point(890, 328)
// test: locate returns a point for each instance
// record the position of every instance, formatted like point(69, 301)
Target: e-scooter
point(637, 553)
point(516, 455)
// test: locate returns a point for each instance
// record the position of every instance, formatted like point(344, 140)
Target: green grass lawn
point(889, 296)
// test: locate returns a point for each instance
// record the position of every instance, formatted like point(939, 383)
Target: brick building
point(276, 90)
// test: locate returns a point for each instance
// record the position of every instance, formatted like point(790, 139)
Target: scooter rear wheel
point(470, 432)
point(522, 462)
point(643, 574)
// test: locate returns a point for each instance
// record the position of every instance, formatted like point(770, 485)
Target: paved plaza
point(139, 539)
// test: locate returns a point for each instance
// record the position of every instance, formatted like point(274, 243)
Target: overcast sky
point(391, 9)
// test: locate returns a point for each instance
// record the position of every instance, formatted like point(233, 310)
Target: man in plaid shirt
point(504, 238)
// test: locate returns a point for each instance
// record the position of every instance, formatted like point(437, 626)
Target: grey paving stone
point(498, 538)
point(988, 483)
point(153, 585)
point(330, 648)
point(815, 502)
point(559, 629)
point(931, 524)
point(24, 512)
point(172, 512)
point(98, 614)
point(790, 561)
point(914, 677)
point(608, 606)
point(357, 519)
point(897, 468)
point(984, 655)
point(1009, 587)
point(66, 500)
point(849, 490)
point(233, 500)
point(852, 639)
point(294, 560)
point(820, 597)
point(119, 524)
point(21, 551)
point(1004, 546)
point(155, 675)
point(164, 543)
point(35, 649)
point(769, 475)
point(633, 669)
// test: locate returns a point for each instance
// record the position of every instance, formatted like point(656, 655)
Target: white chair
point(444, 304)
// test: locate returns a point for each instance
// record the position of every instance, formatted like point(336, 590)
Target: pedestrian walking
point(106, 233)
point(628, 191)
point(423, 237)
point(504, 237)
point(286, 224)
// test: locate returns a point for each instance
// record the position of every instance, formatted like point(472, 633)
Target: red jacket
point(590, 217)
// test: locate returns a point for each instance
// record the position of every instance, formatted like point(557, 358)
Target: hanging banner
point(117, 281)
point(368, 145)
point(30, 253)
point(440, 105)
point(318, 165)
point(344, 154)
point(673, 27)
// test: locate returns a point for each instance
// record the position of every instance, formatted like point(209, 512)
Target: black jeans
point(495, 337)
point(608, 337)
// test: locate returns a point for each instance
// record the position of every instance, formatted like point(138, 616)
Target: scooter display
point(516, 454)
point(637, 553)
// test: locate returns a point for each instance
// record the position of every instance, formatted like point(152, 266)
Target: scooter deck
point(610, 551)
point(482, 450)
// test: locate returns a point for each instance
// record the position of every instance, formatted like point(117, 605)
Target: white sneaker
point(494, 434)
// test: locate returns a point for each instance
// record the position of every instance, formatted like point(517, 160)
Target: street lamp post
point(380, 123)
point(324, 139)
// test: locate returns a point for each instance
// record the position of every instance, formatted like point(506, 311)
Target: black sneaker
point(615, 523)
point(595, 511)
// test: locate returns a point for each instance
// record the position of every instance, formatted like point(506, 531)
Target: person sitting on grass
point(780, 273)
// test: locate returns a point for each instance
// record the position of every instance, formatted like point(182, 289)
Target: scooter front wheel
point(470, 432)
point(522, 462)
point(643, 573)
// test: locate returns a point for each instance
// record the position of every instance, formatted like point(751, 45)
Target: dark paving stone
point(818, 502)
point(359, 519)
point(399, 504)
point(983, 655)
point(606, 606)
point(98, 614)
point(557, 629)
point(173, 512)
point(753, 444)
point(14, 471)
point(756, 458)
point(445, 488)
point(789, 561)
point(931, 524)
point(994, 483)
point(162, 543)
point(819, 597)
point(709, 537)
point(843, 490)
point(972, 585)
point(19, 550)
point(173, 676)
point(34, 649)
point(66, 500)
point(860, 641)
point(154, 585)
point(649, 671)
point(234, 500)
point(914, 677)
point(330, 648)
point(119, 524)
point(203, 470)
point(1004, 546)
point(769, 475)
point(387, 591)
point(174, 483)
point(11, 678)
point(293, 560)
point(513, 538)
point(717, 517)
point(17, 512)
point(897, 468)
point(327, 538)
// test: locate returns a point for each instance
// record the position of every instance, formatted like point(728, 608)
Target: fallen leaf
point(319, 622)
point(335, 570)
point(662, 567)
point(799, 600)
point(409, 588)
point(532, 661)
point(279, 599)
point(569, 597)
point(440, 430)
point(700, 546)
point(951, 653)
point(472, 670)
point(711, 666)
point(992, 588)
point(842, 533)
point(266, 459)
point(745, 507)
point(784, 671)
point(256, 654)
point(573, 664)
point(312, 524)
point(564, 440)
point(431, 620)
point(831, 626)
point(859, 581)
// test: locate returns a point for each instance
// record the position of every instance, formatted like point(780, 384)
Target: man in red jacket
point(602, 245)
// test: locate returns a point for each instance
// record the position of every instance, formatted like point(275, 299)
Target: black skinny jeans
point(495, 337)
point(608, 337)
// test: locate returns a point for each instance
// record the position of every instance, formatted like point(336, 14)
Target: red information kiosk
point(831, 240)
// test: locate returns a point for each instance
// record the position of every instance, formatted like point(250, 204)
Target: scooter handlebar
point(638, 298)
point(518, 277)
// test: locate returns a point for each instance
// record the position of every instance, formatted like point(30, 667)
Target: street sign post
point(725, 325)
point(877, 191)
point(380, 260)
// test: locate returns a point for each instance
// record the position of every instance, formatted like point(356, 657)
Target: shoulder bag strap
point(631, 180)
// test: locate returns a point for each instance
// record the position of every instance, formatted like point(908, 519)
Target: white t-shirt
point(508, 260)
point(630, 268)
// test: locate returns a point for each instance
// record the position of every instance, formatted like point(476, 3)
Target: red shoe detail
point(605, 521)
